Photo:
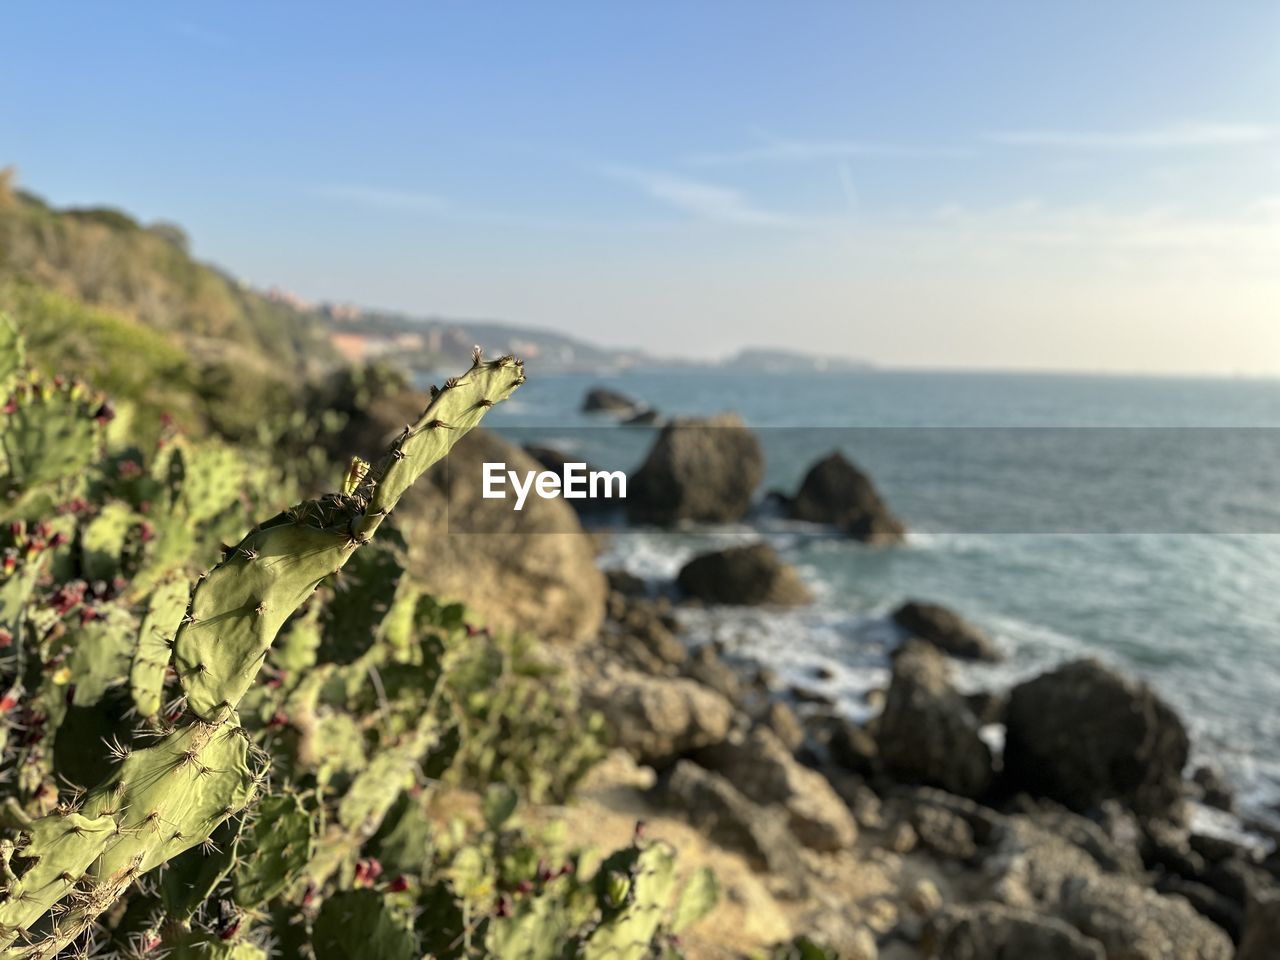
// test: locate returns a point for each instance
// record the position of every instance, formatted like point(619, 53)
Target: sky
point(1051, 185)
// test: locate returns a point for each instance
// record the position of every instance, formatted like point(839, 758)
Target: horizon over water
point(1194, 612)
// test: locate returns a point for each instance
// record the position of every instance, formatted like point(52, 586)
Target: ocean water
point(1132, 519)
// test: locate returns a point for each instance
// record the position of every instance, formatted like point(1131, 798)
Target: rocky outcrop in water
point(607, 400)
point(1082, 734)
point(945, 629)
point(746, 575)
point(836, 492)
point(704, 471)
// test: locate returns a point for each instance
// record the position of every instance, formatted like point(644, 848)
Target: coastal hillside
point(127, 304)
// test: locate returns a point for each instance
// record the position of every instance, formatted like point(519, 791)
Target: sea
point(1132, 519)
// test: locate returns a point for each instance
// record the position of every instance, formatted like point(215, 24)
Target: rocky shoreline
point(1072, 842)
point(914, 835)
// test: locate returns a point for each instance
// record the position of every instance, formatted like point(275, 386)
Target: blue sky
point(1050, 185)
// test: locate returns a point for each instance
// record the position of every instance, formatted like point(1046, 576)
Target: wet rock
point(746, 575)
point(625, 583)
point(1213, 788)
point(606, 400)
point(716, 807)
point(989, 931)
point(763, 769)
point(657, 720)
point(927, 734)
point(1082, 734)
point(1135, 923)
point(836, 492)
point(704, 471)
point(640, 625)
point(645, 418)
point(946, 630)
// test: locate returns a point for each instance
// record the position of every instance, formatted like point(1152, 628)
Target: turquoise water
point(1182, 589)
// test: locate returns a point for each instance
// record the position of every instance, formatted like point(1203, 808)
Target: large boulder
point(704, 471)
point(927, 733)
point(1082, 734)
point(989, 931)
point(946, 630)
point(462, 547)
point(751, 574)
point(836, 492)
point(606, 400)
point(656, 719)
point(765, 771)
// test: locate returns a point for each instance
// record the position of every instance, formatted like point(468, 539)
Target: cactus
point(359, 925)
point(276, 850)
point(167, 798)
point(50, 432)
point(166, 607)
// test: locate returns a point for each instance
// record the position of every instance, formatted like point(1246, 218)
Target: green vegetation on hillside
point(128, 305)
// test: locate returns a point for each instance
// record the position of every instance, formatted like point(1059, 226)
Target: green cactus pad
point(151, 655)
point(275, 851)
point(358, 925)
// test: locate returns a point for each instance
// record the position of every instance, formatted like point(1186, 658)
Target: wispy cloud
point(773, 149)
point(379, 197)
point(706, 201)
point(1174, 137)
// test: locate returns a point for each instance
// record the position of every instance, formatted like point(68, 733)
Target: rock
point(836, 492)
point(1135, 923)
point(657, 720)
point(927, 734)
point(704, 471)
point(804, 695)
point(763, 769)
point(853, 748)
point(987, 706)
point(511, 575)
point(606, 400)
point(641, 624)
point(713, 805)
point(784, 724)
point(946, 630)
point(1215, 791)
point(645, 418)
point(1082, 734)
point(923, 898)
point(746, 575)
point(1107, 852)
point(1166, 846)
point(554, 460)
point(1215, 849)
point(944, 832)
point(1208, 903)
point(1262, 928)
point(989, 931)
point(705, 666)
point(625, 583)
point(902, 838)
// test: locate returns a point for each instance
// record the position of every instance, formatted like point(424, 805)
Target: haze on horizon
point(1049, 186)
